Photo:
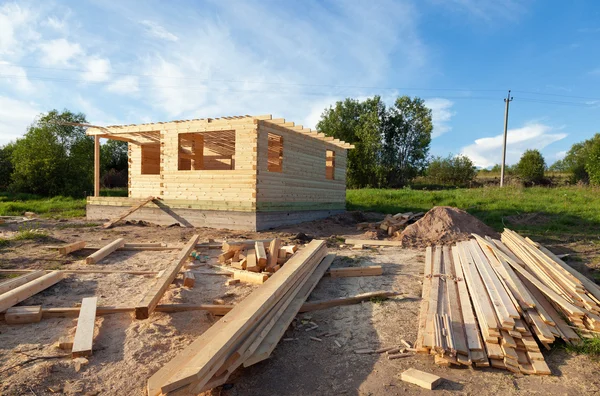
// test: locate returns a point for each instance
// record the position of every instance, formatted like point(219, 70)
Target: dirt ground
point(128, 351)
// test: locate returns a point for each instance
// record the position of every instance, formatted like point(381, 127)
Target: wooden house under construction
point(243, 173)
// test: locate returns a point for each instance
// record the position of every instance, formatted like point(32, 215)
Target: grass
point(567, 211)
point(29, 233)
point(55, 207)
point(588, 346)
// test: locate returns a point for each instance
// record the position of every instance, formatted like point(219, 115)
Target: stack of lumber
point(482, 306)
point(249, 332)
point(392, 223)
point(260, 257)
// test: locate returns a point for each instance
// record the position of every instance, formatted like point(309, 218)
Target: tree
point(113, 162)
point(407, 136)
point(453, 170)
point(592, 163)
point(576, 158)
point(359, 123)
point(53, 158)
point(6, 165)
point(531, 167)
point(559, 166)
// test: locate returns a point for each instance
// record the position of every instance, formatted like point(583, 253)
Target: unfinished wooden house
point(243, 173)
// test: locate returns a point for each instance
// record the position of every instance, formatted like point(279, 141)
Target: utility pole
point(507, 100)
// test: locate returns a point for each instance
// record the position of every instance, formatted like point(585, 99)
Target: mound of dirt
point(444, 225)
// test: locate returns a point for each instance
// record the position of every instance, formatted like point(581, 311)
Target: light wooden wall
point(140, 186)
point(302, 184)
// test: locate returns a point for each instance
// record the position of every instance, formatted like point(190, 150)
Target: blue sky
point(132, 62)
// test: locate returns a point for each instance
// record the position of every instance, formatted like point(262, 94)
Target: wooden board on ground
point(84, 335)
point(27, 290)
point(336, 302)
point(23, 314)
point(370, 242)
point(127, 213)
point(373, 270)
point(420, 378)
point(95, 257)
point(20, 281)
point(71, 247)
point(150, 300)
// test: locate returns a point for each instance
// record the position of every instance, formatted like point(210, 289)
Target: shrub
point(452, 170)
point(592, 163)
point(531, 166)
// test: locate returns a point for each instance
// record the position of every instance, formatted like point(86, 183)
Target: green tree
point(53, 158)
point(531, 167)
point(592, 163)
point(407, 136)
point(113, 155)
point(6, 165)
point(452, 170)
point(359, 123)
point(559, 166)
point(576, 159)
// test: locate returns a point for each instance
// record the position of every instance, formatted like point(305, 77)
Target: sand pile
point(444, 225)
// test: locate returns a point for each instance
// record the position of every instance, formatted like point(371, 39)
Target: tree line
point(391, 149)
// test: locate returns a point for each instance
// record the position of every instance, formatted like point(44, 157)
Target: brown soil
point(127, 351)
point(528, 219)
point(443, 225)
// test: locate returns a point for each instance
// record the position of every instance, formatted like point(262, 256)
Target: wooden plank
point(129, 211)
point(96, 166)
point(336, 302)
point(23, 314)
point(71, 247)
point(261, 254)
point(250, 277)
point(270, 341)
point(68, 312)
point(15, 296)
point(373, 270)
point(150, 300)
point(454, 312)
point(472, 333)
point(198, 361)
point(429, 338)
point(370, 242)
point(95, 257)
point(274, 252)
point(84, 335)
point(20, 281)
point(420, 378)
point(424, 307)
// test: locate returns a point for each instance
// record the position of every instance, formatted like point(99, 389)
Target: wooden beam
point(68, 312)
point(372, 270)
point(324, 304)
point(261, 255)
point(420, 378)
point(95, 257)
point(189, 280)
point(20, 281)
point(369, 242)
point(150, 300)
point(274, 252)
point(71, 247)
point(23, 314)
point(84, 335)
point(27, 290)
point(96, 166)
point(129, 211)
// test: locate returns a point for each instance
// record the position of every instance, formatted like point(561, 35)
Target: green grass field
point(563, 211)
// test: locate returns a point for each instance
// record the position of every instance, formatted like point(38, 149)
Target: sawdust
point(443, 225)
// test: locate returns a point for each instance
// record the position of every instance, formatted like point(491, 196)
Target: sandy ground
point(128, 351)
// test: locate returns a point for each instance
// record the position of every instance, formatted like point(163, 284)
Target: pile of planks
point(259, 257)
point(249, 332)
point(485, 302)
point(392, 223)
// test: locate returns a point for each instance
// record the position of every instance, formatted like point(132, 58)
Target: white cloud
point(59, 52)
point(124, 86)
point(15, 28)
point(486, 10)
point(16, 77)
point(155, 30)
point(560, 155)
point(487, 152)
point(442, 113)
point(97, 70)
point(15, 116)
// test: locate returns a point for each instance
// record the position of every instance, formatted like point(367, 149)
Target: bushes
point(592, 163)
point(531, 166)
point(452, 170)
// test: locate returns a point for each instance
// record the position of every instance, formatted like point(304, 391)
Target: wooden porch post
point(96, 166)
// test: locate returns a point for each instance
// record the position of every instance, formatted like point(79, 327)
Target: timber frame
point(242, 172)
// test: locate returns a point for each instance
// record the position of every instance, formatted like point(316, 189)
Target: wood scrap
point(23, 314)
point(84, 335)
point(16, 295)
point(373, 270)
point(71, 247)
point(420, 378)
point(95, 257)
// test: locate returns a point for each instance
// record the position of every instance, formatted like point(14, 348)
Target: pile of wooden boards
point(486, 302)
point(254, 261)
point(249, 332)
point(392, 224)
